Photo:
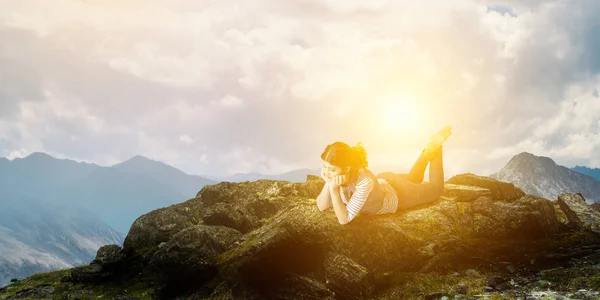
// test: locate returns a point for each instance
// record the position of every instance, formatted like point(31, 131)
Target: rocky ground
point(266, 239)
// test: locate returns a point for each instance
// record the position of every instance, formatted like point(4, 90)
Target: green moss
point(140, 290)
point(594, 282)
point(109, 290)
point(560, 215)
point(573, 279)
point(407, 285)
point(242, 248)
point(51, 277)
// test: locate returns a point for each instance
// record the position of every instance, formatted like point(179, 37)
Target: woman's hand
point(338, 180)
point(327, 179)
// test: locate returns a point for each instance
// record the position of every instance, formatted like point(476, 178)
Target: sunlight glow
point(401, 115)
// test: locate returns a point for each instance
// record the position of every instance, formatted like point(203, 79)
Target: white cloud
point(228, 87)
point(231, 101)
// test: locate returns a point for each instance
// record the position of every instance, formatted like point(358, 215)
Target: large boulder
point(190, 255)
point(298, 239)
point(437, 236)
point(242, 206)
point(109, 255)
point(578, 212)
point(251, 236)
point(500, 190)
point(108, 260)
point(465, 193)
point(346, 278)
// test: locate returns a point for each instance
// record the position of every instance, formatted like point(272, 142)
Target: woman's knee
point(384, 174)
point(434, 192)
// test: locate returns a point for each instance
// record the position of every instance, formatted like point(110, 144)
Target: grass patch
point(573, 279)
point(408, 285)
point(50, 277)
point(108, 290)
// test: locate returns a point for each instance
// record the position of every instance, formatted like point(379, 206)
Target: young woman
point(350, 187)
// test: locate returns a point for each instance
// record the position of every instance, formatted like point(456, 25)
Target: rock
point(108, 260)
point(500, 190)
point(427, 250)
point(345, 277)
point(37, 292)
point(434, 295)
point(92, 273)
point(300, 287)
point(109, 254)
point(462, 289)
point(232, 291)
point(579, 214)
point(497, 282)
point(157, 226)
point(465, 193)
point(239, 240)
point(489, 289)
point(125, 297)
point(511, 269)
point(543, 284)
point(525, 218)
point(242, 206)
point(190, 255)
point(304, 233)
point(291, 286)
point(81, 294)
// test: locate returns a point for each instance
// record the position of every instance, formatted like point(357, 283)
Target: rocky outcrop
point(191, 253)
point(500, 190)
point(580, 214)
point(267, 239)
point(241, 206)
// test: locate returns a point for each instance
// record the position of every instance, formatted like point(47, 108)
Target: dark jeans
point(409, 187)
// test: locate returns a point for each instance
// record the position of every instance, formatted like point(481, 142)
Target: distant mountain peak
point(541, 176)
point(38, 154)
point(525, 154)
point(526, 157)
point(141, 161)
point(139, 157)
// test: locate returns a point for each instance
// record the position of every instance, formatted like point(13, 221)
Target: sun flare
point(401, 115)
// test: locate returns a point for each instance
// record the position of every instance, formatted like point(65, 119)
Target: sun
point(401, 115)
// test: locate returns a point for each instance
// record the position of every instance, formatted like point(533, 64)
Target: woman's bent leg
point(417, 172)
point(412, 194)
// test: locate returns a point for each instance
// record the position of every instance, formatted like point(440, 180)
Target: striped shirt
point(359, 193)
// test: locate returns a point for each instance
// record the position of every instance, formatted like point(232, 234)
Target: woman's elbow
point(323, 207)
point(344, 222)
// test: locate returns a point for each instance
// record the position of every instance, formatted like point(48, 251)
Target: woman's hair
point(342, 155)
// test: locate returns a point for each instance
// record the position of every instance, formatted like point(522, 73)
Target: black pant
point(409, 187)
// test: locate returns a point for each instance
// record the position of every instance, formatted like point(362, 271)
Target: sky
point(221, 87)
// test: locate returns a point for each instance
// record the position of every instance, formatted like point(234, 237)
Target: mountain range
point(38, 236)
point(592, 172)
point(55, 213)
point(542, 177)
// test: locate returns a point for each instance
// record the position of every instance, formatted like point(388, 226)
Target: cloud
point(217, 88)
